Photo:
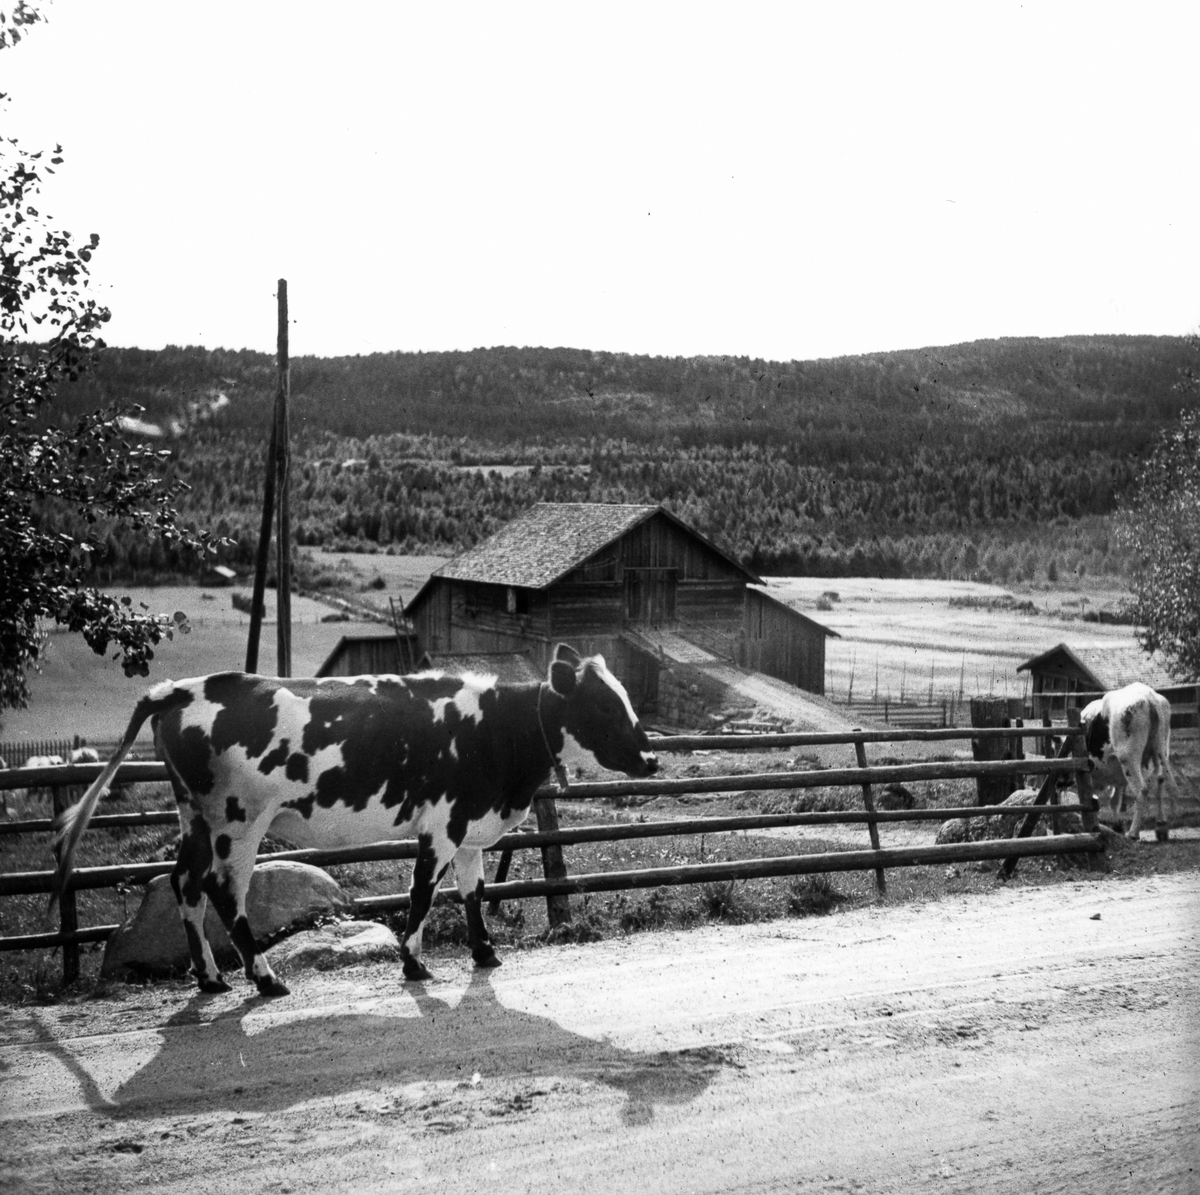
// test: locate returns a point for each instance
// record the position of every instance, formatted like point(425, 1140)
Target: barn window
point(518, 600)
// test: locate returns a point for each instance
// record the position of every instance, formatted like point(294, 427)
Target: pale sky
point(775, 180)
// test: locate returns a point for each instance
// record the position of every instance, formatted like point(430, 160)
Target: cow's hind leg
point(468, 873)
point(428, 869)
point(189, 883)
point(1163, 809)
point(1138, 787)
point(227, 886)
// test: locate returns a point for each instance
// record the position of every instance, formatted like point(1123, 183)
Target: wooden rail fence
point(558, 885)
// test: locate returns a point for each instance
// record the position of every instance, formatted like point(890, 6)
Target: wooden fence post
point(558, 908)
point(67, 911)
point(860, 753)
point(990, 711)
point(1083, 785)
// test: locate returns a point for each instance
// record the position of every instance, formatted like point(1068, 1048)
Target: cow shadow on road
point(228, 1062)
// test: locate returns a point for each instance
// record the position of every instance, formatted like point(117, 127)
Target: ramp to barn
point(772, 700)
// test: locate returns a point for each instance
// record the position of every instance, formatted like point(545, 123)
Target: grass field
point(914, 639)
point(896, 637)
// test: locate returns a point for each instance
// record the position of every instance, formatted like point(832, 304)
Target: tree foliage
point(1162, 524)
point(62, 486)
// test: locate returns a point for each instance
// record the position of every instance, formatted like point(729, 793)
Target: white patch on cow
point(466, 700)
point(618, 688)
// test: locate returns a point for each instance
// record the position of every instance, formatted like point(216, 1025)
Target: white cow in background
point(21, 803)
point(1128, 737)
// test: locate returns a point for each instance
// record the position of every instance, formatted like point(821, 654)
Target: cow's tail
point(71, 823)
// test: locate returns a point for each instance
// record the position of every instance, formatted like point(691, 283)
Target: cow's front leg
point(428, 870)
point(468, 873)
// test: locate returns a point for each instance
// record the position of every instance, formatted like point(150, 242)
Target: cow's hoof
point(485, 957)
point(214, 987)
point(1133, 836)
point(415, 969)
point(272, 987)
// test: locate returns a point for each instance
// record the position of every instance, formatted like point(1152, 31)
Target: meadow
point(897, 638)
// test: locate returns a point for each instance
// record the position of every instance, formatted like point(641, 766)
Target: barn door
point(650, 596)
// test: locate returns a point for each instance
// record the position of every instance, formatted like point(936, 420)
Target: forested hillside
point(998, 458)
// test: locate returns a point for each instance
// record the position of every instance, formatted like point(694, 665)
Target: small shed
point(1065, 676)
point(782, 642)
point(218, 576)
point(371, 652)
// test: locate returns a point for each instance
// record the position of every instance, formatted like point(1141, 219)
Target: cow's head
point(598, 715)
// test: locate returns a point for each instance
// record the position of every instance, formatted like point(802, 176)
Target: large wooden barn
point(602, 578)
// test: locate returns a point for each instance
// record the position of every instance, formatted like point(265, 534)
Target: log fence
point(557, 885)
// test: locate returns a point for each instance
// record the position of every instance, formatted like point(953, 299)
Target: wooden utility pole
point(275, 504)
point(264, 552)
point(283, 542)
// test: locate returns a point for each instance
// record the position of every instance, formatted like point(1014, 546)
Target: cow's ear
point(562, 678)
point(568, 654)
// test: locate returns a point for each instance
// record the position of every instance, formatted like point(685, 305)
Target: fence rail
point(557, 886)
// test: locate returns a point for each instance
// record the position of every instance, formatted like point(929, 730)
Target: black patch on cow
point(297, 768)
point(275, 758)
point(189, 756)
point(302, 805)
point(223, 845)
point(194, 863)
point(233, 810)
point(1097, 736)
point(1128, 715)
point(247, 715)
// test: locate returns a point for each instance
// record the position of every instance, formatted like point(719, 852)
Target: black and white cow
point(450, 761)
point(1128, 736)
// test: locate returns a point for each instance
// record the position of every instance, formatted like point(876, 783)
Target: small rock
point(338, 944)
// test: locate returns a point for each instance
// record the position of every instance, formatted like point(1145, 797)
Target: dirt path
point(1013, 1042)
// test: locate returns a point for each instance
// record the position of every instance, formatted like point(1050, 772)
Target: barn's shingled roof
point(1108, 667)
point(550, 539)
point(544, 543)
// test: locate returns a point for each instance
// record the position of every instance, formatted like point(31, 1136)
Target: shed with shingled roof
point(592, 575)
point(1069, 676)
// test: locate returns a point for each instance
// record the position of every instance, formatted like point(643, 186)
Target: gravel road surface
point(1030, 1040)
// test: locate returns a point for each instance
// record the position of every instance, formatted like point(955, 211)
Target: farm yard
point(844, 1008)
point(804, 1031)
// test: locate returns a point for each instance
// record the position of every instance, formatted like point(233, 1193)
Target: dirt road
point(1033, 1040)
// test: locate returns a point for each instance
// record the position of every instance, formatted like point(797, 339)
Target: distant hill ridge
point(500, 395)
